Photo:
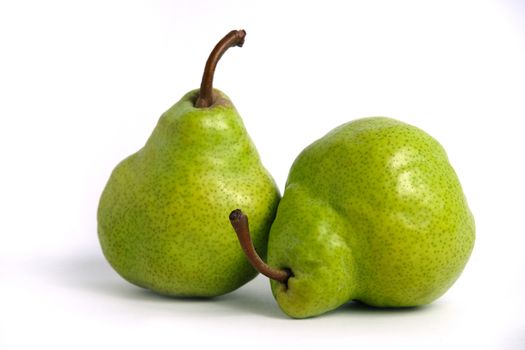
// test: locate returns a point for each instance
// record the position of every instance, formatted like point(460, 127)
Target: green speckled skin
point(374, 212)
point(163, 216)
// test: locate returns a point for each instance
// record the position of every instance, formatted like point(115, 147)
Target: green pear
point(374, 212)
point(162, 217)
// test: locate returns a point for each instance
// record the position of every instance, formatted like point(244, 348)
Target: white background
point(82, 85)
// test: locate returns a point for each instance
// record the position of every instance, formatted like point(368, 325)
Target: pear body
point(163, 215)
point(374, 212)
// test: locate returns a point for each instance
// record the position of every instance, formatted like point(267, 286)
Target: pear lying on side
point(374, 212)
point(162, 218)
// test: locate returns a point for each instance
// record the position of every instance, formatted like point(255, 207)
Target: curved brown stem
point(239, 222)
point(233, 38)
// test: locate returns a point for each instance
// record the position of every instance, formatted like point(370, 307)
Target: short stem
point(233, 38)
point(239, 222)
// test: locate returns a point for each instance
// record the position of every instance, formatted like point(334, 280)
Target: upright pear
point(162, 217)
point(374, 212)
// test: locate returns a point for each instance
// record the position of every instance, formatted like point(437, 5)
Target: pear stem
point(233, 38)
point(239, 222)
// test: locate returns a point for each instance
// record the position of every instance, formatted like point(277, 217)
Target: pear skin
point(374, 212)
